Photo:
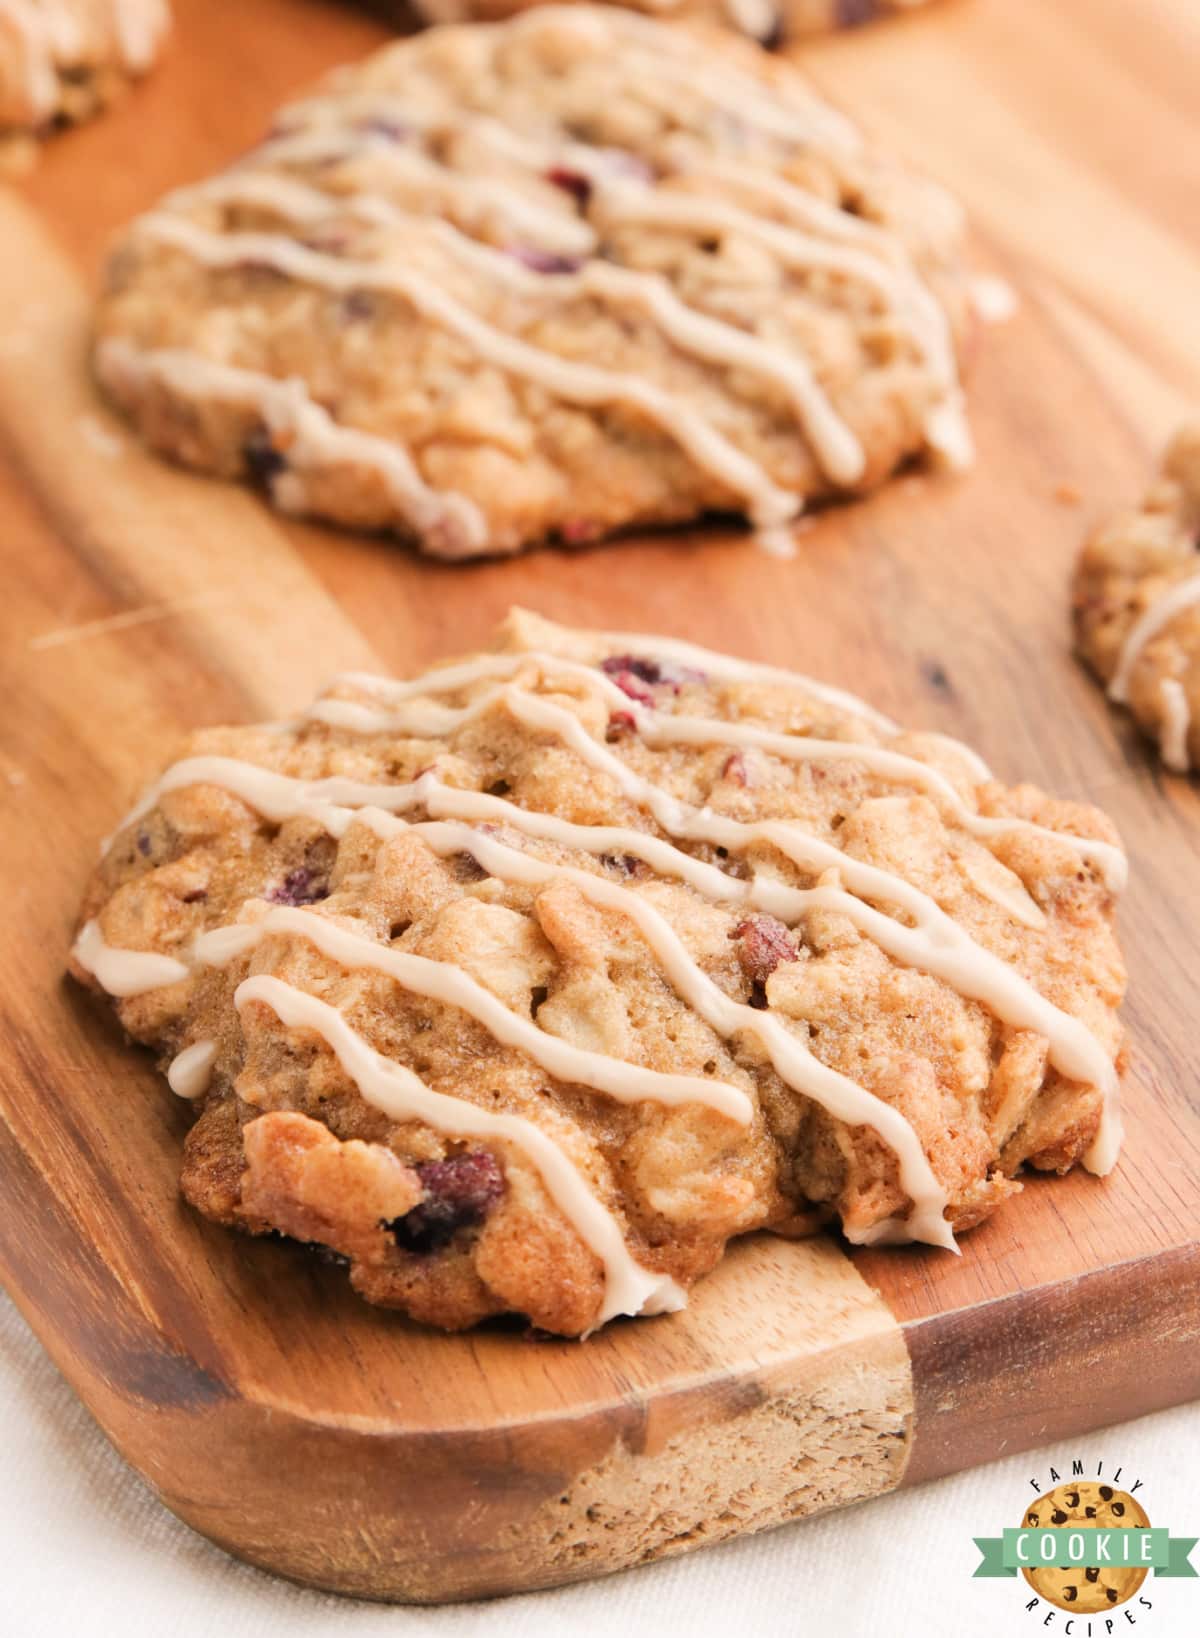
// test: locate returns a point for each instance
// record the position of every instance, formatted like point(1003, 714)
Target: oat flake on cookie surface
point(545, 279)
point(527, 984)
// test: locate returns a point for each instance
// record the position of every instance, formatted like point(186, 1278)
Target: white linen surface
point(86, 1551)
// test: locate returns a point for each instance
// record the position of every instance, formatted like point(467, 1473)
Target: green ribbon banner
point(1062, 1549)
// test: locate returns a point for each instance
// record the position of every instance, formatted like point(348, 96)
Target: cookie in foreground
point(60, 60)
point(544, 280)
point(771, 22)
point(529, 983)
point(1137, 606)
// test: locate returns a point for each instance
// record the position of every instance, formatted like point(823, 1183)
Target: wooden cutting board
point(267, 1406)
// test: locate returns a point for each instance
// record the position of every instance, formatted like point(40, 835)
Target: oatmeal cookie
point(62, 59)
point(1137, 606)
point(772, 23)
point(543, 280)
point(527, 984)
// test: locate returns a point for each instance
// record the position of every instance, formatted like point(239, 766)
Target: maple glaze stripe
point(1176, 725)
point(448, 984)
point(1184, 595)
point(403, 1096)
point(50, 39)
point(890, 273)
point(936, 945)
point(125, 973)
point(676, 818)
point(711, 340)
point(661, 729)
point(279, 797)
point(842, 1097)
point(315, 440)
point(190, 1071)
point(332, 126)
point(590, 385)
point(1072, 1058)
point(944, 950)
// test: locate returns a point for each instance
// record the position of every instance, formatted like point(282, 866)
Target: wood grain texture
point(267, 1405)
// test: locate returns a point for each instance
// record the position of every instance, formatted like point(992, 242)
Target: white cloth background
point(86, 1551)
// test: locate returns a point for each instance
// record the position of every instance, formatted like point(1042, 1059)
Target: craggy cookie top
point(546, 279)
point(58, 58)
point(1137, 606)
point(527, 984)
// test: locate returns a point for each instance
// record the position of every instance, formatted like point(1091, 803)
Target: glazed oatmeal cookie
point(526, 985)
point(543, 280)
point(1137, 606)
point(772, 23)
point(60, 60)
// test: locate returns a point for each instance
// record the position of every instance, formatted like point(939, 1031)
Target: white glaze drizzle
point(38, 49)
point(936, 944)
point(125, 973)
point(190, 1071)
point(659, 729)
point(140, 26)
point(332, 803)
point(727, 667)
point(402, 1096)
point(842, 1097)
point(1176, 725)
point(452, 986)
point(755, 18)
point(478, 201)
point(314, 439)
point(587, 384)
point(888, 271)
point(280, 797)
point(52, 38)
point(712, 340)
point(854, 250)
point(622, 202)
point(674, 817)
point(1185, 594)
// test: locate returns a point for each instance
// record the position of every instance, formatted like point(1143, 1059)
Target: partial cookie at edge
point(61, 60)
point(1137, 606)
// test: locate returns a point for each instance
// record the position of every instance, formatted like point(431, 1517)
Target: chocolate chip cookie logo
point(1085, 1547)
